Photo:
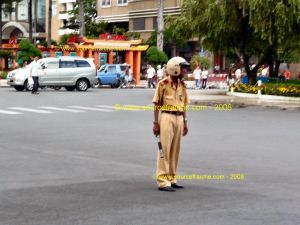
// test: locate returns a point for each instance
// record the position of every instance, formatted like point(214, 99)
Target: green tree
point(201, 61)
point(27, 51)
point(171, 40)
point(64, 39)
point(155, 56)
point(269, 30)
point(92, 29)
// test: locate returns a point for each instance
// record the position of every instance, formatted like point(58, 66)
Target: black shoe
point(176, 186)
point(168, 188)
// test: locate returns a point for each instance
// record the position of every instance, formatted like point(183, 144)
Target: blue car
point(111, 74)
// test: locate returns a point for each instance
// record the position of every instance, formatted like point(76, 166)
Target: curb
point(265, 97)
point(3, 83)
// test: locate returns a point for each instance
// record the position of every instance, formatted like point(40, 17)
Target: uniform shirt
point(35, 67)
point(150, 72)
point(168, 97)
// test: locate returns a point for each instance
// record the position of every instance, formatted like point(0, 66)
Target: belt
point(177, 113)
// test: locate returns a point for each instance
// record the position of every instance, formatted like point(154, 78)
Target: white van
point(66, 71)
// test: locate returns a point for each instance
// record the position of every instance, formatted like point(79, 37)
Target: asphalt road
point(79, 161)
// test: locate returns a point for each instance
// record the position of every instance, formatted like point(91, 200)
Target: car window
point(123, 67)
point(111, 69)
point(67, 64)
point(82, 63)
point(102, 68)
point(52, 65)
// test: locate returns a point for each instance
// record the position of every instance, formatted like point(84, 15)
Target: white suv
point(66, 71)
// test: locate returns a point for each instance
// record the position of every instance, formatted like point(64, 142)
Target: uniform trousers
point(171, 130)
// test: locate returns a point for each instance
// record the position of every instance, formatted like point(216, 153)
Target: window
point(82, 63)
point(122, 2)
point(52, 65)
point(106, 3)
point(139, 24)
point(123, 68)
point(155, 23)
point(67, 64)
point(22, 10)
point(111, 69)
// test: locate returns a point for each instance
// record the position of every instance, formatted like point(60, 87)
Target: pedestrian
point(170, 101)
point(160, 73)
point(238, 75)
point(150, 76)
point(197, 75)
point(34, 73)
point(204, 77)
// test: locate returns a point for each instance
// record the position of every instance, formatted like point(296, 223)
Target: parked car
point(66, 71)
point(111, 74)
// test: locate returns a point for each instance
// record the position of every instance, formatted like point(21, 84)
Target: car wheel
point(116, 85)
point(27, 86)
point(70, 88)
point(19, 88)
point(82, 85)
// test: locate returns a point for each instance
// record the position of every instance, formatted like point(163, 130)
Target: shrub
point(155, 56)
point(201, 61)
point(270, 89)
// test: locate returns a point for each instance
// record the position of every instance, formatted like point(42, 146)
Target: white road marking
point(9, 112)
point(106, 106)
point(61, 109)
point(91, 108)
point(31, 110)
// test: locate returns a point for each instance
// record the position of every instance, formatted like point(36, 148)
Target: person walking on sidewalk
point(34, 73)
point(171, 100)
point(197, 75)
point(204, 77)
point(150, 76)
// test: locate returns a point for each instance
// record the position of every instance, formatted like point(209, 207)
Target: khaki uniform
point(171, 128)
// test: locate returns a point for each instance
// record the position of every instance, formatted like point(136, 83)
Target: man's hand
point(185, 130)
point(156, 129)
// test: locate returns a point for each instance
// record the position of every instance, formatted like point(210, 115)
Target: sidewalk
point(212, 97)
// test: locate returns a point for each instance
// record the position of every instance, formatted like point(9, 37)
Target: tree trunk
point(160, 24)
point(81, 18)
point(30, 19)
point(271, 67)
point(49, 24)
point(277, 65)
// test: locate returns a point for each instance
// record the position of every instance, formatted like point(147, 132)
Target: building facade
point(135, 15)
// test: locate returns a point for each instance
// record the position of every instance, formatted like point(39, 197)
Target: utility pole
point(81, 18)
point(49, 31)
point(160, 25)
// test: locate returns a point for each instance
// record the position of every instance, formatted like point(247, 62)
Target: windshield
point(101, 68)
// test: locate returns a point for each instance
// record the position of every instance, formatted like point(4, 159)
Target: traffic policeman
point(170, 121)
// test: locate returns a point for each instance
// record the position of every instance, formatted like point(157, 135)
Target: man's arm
point(156, 128)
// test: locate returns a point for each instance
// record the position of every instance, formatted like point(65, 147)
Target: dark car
point(111, 74)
